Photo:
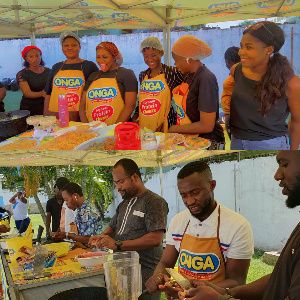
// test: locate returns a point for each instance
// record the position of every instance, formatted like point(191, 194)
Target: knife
point(182, 281)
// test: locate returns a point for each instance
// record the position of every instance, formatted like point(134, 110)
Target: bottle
point(63, 111)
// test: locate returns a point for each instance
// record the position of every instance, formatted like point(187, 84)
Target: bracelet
point(67, 235)
point(225, 297)
point(228, 291)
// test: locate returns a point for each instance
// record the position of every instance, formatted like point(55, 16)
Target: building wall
point(218, 39)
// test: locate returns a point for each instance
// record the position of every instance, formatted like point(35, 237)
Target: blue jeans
point(19, 222)
point(279, 143)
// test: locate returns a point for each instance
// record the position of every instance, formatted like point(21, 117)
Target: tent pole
point(160, 179)
point(32, 37)
point(169, 44)
point(165, 46)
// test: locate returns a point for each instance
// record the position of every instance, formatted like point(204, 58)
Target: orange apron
point(202, 258)
point(69, 83)
point(154, 103)
point(180, 94)
point(104, 101)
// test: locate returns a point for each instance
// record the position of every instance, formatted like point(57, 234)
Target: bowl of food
point(92, 259)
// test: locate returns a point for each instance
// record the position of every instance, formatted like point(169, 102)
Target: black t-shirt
point(37, 83)
point(55, 210)
point(204, 96)
point(126, 80)
point(245, 122)
point(2, 210)
point(1, 85)
point(284, 282)
point(88, 67)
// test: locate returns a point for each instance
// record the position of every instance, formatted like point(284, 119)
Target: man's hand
point(156, 281)
point(200, 293)
point(100, 241)
point(58, 236)
point(4, 228)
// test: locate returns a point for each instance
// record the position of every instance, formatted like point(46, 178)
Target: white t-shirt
point(20, 210)
point(69, 216)
point(236, 235)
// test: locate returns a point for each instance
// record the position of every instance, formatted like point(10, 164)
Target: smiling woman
point(69, 74)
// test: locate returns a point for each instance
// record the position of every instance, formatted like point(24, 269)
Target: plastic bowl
point(92, 259)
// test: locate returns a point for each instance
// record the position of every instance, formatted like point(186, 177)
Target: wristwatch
point(228, 291)
point(118, 243)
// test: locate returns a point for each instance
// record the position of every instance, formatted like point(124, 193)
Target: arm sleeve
point(89, 67)
point(130, 81)
point(49, 207)
point(141, 78)
point(48, 88)
point(156, 214)
point(208, 97)
point(242, 245)
point(90, 80)
point(21, 76)
point(294, 289)
point(226, 94)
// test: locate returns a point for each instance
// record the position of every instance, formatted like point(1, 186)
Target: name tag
point(138, 213)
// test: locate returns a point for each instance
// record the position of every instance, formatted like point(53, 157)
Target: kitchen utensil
point(182, 281)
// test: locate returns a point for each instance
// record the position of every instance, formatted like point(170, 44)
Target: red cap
point(27, 48)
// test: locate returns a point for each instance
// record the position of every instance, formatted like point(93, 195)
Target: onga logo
point(199, 263)
point(11, 252)
point(102, 93)
point(102, 113)
point(232, 6)
point(274, 3)
point(179, 111)
point(150, 107)
point(68, 82)
point(152, 86)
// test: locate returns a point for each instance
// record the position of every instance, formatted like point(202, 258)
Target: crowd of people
point(212, 244)
point(259, 98)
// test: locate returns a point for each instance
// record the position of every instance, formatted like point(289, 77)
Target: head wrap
point(151, 42)
point(27, 48)
point(113, 50)
point(190, 47)
point(267, 32)
point(66, 34)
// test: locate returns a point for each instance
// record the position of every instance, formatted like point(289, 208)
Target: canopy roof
point(155, 158)
point(21, 18)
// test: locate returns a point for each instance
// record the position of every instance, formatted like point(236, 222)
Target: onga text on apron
point(154, 103)
point(202, 258)
point(69, 83)
point(104, 101)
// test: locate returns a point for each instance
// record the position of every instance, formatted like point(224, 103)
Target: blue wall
point(218, 39)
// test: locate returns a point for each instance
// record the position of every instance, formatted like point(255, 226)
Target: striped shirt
point(174, 78)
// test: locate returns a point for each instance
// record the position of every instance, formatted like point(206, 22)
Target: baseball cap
point(66, 34)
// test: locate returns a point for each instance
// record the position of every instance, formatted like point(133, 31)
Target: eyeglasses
point(257, 26)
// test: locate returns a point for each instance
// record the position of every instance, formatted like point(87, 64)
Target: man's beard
point(205, 209)
point(130, 193)
point(293, 199)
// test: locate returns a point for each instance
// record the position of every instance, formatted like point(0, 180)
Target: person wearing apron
point(209, 241)
point(154, 110)
point(110, 94)
point(68, 78)
point(197, 98)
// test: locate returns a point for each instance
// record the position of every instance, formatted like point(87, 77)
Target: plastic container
point(149, 141)
point(127, 136)
point(123, 275)
point(63, 111)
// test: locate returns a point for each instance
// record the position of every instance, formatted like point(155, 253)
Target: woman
point(155, 111)
point(109, 94)
point(197, 98)
point(68, 77)
point(32, 80)
point(266, 90)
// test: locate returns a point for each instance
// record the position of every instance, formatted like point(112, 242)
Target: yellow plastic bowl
point(61, 249)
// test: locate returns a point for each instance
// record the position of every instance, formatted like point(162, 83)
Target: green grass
point(257, 268)
point(12, 100)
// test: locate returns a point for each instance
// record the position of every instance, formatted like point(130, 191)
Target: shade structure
point(143, 158)
point(21, 18)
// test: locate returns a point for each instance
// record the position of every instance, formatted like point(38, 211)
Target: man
point(284, 282)
point(5, 220)
point(20, 209)
point(210, 241)
point(139, 223)
point(88, 219)
point(54, 206)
